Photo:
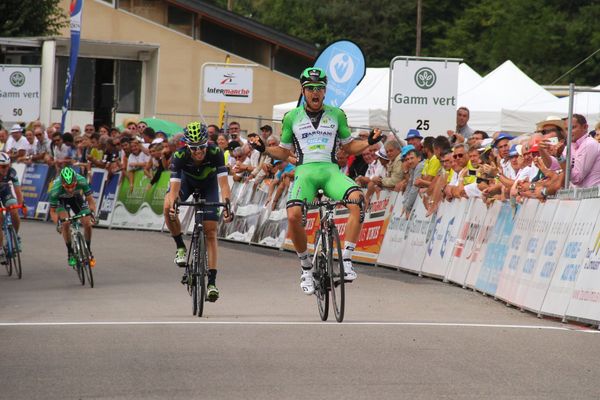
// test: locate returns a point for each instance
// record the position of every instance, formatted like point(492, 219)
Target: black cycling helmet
point(313, 76)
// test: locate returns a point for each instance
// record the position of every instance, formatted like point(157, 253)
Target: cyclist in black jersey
point(198, 166)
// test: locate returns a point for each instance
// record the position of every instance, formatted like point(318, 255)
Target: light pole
point(418, 49)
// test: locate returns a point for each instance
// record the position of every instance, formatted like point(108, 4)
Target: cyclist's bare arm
point(224, 186)
point(91, 203)
point(173, 194)
point(19, 194)
point(357, 146)
point(279, 152)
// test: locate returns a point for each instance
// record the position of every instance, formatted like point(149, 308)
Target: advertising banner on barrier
point(497, 250)
point(273, 230)
point(551, 250)
point(107, 200)
point(585, 298)
point(373, 228)
point(20, 170)
point(468, 232)
point(574, 250)
point(392, 247)
point(97, 183)
point(511, 273)
point(423, 94)
point(475, 259)
point(418, 232)
point(140, 206)
point(448, 219)
point(247, 216)
point(537, 237)
point(34, 187)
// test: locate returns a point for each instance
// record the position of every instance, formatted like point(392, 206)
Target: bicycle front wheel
point(7, 258)
point(79, 258)
point(85, 258)
point(15, 252)
point(321, 277)
point(201, 273)
point(336, 274)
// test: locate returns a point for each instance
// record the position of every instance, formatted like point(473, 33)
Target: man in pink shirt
point(585, 155)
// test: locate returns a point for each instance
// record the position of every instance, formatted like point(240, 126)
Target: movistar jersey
point(58, 192)
point(315, 144)
point(6, 180)
point(183, 165)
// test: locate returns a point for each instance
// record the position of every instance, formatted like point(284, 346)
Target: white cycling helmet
point(4, 158)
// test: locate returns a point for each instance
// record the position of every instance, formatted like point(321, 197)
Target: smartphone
point(553, 140)
point(472, 172)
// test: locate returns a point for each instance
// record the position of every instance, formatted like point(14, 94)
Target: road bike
point(80, 250)
point(196, 266)
point(328, 271)
point(11, 245)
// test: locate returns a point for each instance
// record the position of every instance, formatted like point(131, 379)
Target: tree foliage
point(545, 38)
point(22, 18)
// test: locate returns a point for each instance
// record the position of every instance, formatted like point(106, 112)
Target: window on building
point(82, 92)
point(234, 42)
point(129, 86)
point(154, 10)
point(180, 20)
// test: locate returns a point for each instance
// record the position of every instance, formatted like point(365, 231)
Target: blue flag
point(76, 9)
point(344, 63)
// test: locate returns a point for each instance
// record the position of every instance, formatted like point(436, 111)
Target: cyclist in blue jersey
point(199, 166)
point(315, 131)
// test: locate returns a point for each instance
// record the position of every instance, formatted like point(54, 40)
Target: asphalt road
point(133, 335)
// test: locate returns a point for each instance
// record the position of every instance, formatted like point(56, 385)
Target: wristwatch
point(532, 187)
point(544, 193)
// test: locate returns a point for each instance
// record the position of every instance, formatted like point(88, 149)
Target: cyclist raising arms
point(199, 166)
point(66, 192)
point(316, 130)
point(8, 175)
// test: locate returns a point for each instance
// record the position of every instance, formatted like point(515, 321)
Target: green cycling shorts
point(311, 177)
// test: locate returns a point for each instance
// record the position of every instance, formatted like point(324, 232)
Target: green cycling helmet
point(196, 133)
point(67, 175)
point(313, 76)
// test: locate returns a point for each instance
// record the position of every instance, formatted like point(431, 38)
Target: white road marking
point(570, 328)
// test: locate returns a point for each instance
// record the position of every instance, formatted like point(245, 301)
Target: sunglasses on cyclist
point(196, 147)
point(315, 88)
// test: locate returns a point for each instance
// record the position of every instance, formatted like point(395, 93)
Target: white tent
point(506, 87)
point(367, 106)
point(523, 119)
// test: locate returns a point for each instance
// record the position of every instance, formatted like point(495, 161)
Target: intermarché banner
point(228, 84)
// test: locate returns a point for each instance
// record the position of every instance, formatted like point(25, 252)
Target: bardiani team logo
point(425, 78)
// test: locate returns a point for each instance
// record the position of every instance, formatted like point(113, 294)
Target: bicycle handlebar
point(203, 204)
point(76, 217)
point(13, 207)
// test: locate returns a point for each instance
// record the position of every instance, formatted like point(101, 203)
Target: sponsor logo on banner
point(108, 199)
point(230, 84)
point(344, 63)
point(19, 93)
point(423, 95)
point(34, 187)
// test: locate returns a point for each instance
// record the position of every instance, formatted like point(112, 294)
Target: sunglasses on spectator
point(4, 166)
point(196, 147)
point(74, 130)
point(458, 155)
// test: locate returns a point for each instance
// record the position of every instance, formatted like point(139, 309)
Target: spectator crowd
point(462, 163)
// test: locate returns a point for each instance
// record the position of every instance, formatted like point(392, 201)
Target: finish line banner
point(423, 95)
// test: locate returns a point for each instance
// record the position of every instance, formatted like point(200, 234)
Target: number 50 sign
point(423, 95)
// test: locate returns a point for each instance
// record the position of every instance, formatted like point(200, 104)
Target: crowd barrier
point(540, 257)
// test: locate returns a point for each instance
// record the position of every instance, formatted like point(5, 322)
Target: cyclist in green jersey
point(66, 193)
point(316, 130)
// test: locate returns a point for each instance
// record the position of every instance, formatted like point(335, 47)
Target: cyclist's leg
point(338, 187)
point(1, 232)
point(210, 192)
point(174, 225)
point(9, 200)
point(61, 212)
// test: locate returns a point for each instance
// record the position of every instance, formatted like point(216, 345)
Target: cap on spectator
point(513, 151)
point(486, 144)
point(406, 149)
point(266, 128)
point(413, 133)
point(382, 154)
point(502, 136)
point(551, 120)
point(115, 129)
point(276, 162)
point(16, 128)
point(534, 148)
point(158, 140)
point(252, 134)
point(519, 148)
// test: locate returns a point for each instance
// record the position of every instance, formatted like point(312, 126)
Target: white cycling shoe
point(307, 282)
point(349, 272)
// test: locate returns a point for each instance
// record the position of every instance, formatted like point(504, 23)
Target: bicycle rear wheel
point(15, 251)
point(321, 277)
point(85, 265)
point(79, 258)
point(336, 274)
point(201, 272)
